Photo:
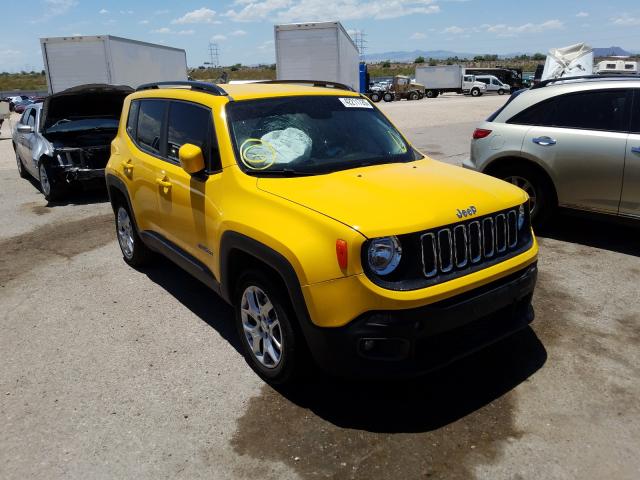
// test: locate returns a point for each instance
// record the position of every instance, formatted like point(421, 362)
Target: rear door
point(582, 143)
point(630, 199)
point(27, 140)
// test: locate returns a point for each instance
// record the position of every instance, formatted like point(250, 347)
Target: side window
point(149, 127)
point(31, 120)
point(132, 119)
point(190, 123)
point(484, 80)
point(538, 114)
point(495, 82)
point(604, 110)
point(25, 116)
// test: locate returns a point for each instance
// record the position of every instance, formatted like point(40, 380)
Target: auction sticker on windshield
point(351, 102)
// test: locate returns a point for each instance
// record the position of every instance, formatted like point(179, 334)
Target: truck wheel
point(475, 92)
point(271, 344)
point(431, 94)
point(50, 187)
point(501, 92)
point(21, 170)
point(420, 95)
point(541, 195)
point(375, 97)
point(388, 97)
point(134, 251)
point(414, 96)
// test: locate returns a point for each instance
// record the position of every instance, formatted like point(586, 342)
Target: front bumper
point(413, 341)
point(75, 174)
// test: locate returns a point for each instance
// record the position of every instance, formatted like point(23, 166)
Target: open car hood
point(91, 100)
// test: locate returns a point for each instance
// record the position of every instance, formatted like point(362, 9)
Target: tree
point(539, 56)
point(386, 64)
point(432, 62)
point(420, 59)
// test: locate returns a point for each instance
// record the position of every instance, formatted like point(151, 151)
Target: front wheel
point(388, 97)
point(501, 92)
point(475, 92)
point(270, 341)
point(430, 94)
point(414, 96)
point(50, 187)
point(375, 97)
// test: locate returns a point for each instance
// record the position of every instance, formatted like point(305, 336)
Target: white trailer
point(72, 61)
point(448, 78)
point(316, 51)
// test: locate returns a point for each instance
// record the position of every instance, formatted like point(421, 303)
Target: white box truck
point(316, 51)
point(72, 61)
point(448, 78)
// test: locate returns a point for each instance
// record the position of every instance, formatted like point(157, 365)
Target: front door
point(184, 212)
point(583, 144)
point(630, 199)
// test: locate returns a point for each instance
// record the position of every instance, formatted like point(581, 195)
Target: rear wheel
point(414, 96)
point(134, 252)
point(388, 97)
point(431, 94)
point(271, 344)
point(375, 97)
point(541, 197)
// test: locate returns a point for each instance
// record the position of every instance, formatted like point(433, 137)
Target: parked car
point(330, 235)
point(21, 106)
point(66, 139)
point(571, 143)
point(494, 85)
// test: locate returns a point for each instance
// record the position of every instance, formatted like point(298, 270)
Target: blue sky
point(243, 29)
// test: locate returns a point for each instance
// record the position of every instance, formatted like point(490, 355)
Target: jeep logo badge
point(466, 212)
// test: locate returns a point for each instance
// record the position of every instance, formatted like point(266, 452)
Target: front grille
point(464, 245)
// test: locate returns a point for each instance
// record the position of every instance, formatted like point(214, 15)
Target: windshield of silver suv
point(313, 135)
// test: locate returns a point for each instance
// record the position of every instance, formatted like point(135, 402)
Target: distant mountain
point(611, 52)
point(404, 56)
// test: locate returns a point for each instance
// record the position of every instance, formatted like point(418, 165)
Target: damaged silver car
point(66, 140)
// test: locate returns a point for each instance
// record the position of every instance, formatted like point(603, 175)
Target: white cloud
point(238, 33)
point(104, 11)
point(454, 30)
point(218, 38)
point(503, 30)
point(76, 35)
point(582, 14)
point(201, 15)
point(126, 12)
point(58, 7)
point(303, 10)
point(144, 22)
point(418, 36)
point(167, 30)
point(267, 46)
point(161, 12)
point(626, 21)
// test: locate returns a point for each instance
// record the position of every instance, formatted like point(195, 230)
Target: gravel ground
point(109, 372)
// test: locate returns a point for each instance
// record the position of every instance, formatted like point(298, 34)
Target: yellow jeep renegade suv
point(310, 213)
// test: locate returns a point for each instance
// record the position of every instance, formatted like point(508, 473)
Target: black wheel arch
point(117, 190)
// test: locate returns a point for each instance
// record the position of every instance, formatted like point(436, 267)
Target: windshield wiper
point(285, 172)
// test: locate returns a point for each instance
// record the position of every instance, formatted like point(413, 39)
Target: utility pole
point(360, 39)
point(214, 55)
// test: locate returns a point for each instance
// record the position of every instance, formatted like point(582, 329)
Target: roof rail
point(211, 88)
point(314, 83)
point(549, 81)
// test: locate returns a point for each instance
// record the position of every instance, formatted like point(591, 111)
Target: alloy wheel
point(44, 181)
point(125, 232)
point(261, 327)
point(528, 187)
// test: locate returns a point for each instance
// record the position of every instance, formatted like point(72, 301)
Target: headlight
point(384, 255)
point(521, 216)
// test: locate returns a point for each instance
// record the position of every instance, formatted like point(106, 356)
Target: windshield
point(313, 135)
point(74, 125)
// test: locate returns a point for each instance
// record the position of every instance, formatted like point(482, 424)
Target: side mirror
point(25, 129)
point(191, 158)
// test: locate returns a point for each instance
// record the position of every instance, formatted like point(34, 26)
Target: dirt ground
point(110, 372)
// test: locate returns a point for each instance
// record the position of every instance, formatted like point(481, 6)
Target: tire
point(134, 251)
point(49, 186)
point(21, 170)
point(375, 97)
point(431, 94)
point(414, 96)
point(541, 192)
point(420, 95)
point(501, 92)
point(264, 319)
point(475, 92)
point(388, 97)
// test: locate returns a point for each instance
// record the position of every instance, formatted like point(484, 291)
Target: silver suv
point(571, 143)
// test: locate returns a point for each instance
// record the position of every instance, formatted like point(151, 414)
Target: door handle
point(127, 166)
point(635, 149)
point(544, 141)
point(166, 184)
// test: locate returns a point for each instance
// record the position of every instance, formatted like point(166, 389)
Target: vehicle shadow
point(429, 402)
point(76, 195)
point(593, 231)
point(197, 297)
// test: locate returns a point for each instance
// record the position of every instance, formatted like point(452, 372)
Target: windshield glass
point(313, 135)
point(75, 125)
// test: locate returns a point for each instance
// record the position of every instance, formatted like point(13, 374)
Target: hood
point(92, 100)
point(395, 199)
